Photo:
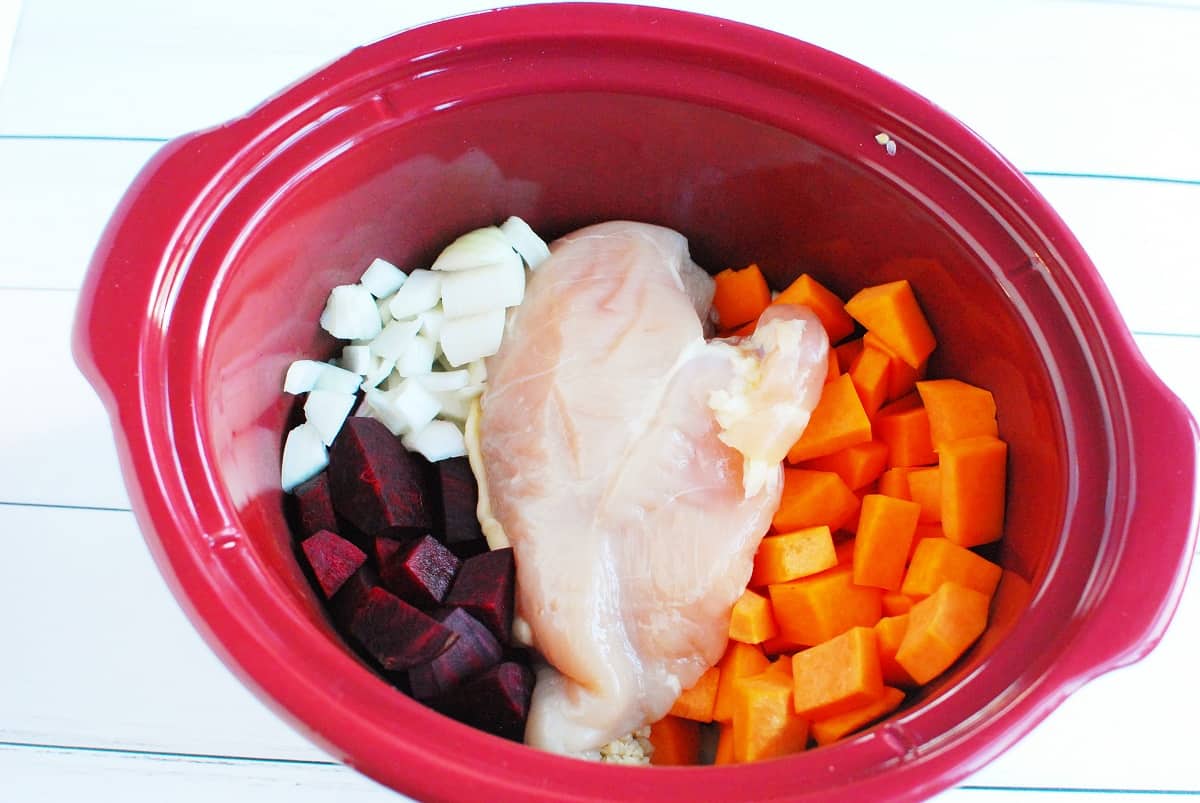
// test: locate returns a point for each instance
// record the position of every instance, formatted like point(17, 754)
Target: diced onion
point(379, 372)
point(395, 338)
point(350, 313)
point(470, 292)
point(477, 372)
point(442, 381)
point(379, 406)
point(382, 278)
point(417, 405)
point(476, 249)
point(431, 322)
point(533, 249)
point(326, 410)
point(437, 440)
point(421, 291)
point(357, 359)
point(304, 456)
point(338, 380)
point(473, 337)
point(302, 376)
point(384, 305)
point(417, 358)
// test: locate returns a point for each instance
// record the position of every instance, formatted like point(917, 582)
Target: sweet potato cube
point(940, 629)
point(838, 421)
point(940, 560)
point(817, 608)
point(837, 676)
point(973, 479)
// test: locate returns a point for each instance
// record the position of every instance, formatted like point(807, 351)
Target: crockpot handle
point(1148, 574)
point(118, 330)
point(116, 315)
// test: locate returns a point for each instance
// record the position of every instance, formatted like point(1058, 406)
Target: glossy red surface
point(210, 277)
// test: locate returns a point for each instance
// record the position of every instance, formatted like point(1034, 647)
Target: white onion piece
point(350, 313)
point(380, 371)
point(384, 305)
point(431, 322)
point(473, 337)
point(476, 249)
point(437, 440)
point(302, 376)
point(470, 391)
point(357, 359)
point(327, 411)
point(382, 278)
point(392, 382)
point(417, 358)
point(395, 338)
point(338, 380)
point(304, 456)
point(421, 291)
point(533, 249)
point(455, 406)
point(415, 403)
point(442, 381)
point(379, 406)
point(477, 372)
point(470, 292)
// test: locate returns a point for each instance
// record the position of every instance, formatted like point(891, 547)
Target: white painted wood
point(1053, 85)
point(40, 774)
point(106, 657)
point(1142, 238)
point(10, 10)
point(57, 445)
point(55, 197)
point(57, 774)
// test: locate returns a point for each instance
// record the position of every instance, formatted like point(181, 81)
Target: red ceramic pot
point(211, 275)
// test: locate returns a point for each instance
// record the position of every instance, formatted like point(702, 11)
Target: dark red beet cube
point(484, 588)
point(315, 506)
point(420, 571)
point(396, 634)
point(354, 535)
point(376, 483)
point(353, 595)
point(333, 559)
point(459, 498)
point(468, 549)
point(497, 701)
point(475, 651)
point(384, 549)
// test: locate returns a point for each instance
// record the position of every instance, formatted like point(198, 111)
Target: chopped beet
point(468, 549)
point(459, 498)
point(354, 535)
point(315, 506)
point(353, 595)
point(475, 651)
point(484, 588)
point(395, 633)
point(333, 560)
point(497, 701)
point(384, 550)
point(420, 572)
point(521, 655)
point(376, 483)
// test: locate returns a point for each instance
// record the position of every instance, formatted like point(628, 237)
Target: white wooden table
point(107, 693)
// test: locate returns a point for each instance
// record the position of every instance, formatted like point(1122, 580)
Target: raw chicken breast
point(633, 529)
